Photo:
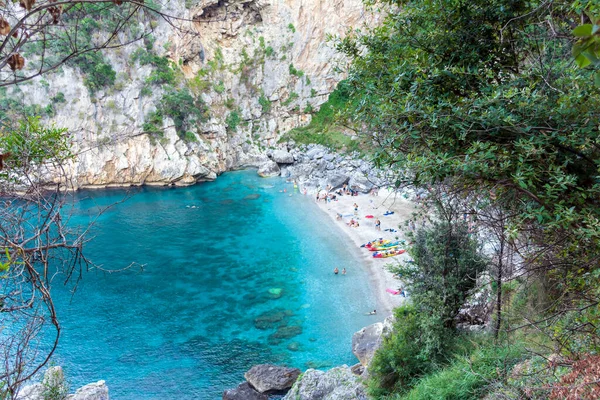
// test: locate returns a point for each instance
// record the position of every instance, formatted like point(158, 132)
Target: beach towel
point(392, 291)
point(369, 216)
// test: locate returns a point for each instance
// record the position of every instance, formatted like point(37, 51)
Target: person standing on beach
point(378, 224)
point(355, 210)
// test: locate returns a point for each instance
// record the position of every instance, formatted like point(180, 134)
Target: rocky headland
point(338, 383)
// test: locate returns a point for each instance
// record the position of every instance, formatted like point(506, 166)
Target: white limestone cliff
point(250, 49)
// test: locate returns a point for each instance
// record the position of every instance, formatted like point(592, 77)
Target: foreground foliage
point(486, 100)
point(35, 247)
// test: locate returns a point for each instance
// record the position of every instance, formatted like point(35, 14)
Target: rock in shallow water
point(93, 391)
point(269, 378)
point(270, 319)
point(286, 332)
point(336, 384)
point(243, 392)
point(53, 386)
point(269, 169)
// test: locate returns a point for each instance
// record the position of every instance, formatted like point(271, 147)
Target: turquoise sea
point(227, 274)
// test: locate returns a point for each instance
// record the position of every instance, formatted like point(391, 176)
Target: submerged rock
point(270, 319)
point(243, 392)
point(269, 378)
point(253, 196)
point(286, 332)
point(336, 384)
point(293, 346)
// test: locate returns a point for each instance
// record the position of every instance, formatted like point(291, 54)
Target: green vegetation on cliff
point(324, 127)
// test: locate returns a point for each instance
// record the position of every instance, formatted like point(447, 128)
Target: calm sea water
point(229, 274)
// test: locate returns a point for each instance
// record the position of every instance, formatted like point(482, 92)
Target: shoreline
point(380, 278)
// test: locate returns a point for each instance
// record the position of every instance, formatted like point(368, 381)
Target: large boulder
point(53, 384)
point(31, 392)
point(360, 183)
point(282, 157)
point(315, 153)
point(366, 341)
point(337, 180)
point(269, 378)
point(243, 392)
point(92, 391)
point(336, 384)
point(268, 169)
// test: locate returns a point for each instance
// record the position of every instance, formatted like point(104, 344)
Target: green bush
point(264, 103)
point(469, 377)
point(233, 121)
point(98, 72)
point(154, 124)
point(401, 360)
point(183, 108)
point(59, 98)
point(323, 129)
point(219, 87)
point(295, 72)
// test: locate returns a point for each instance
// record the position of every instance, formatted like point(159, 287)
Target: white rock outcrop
point(336, 384)
point(53, 386)
point(368, 340)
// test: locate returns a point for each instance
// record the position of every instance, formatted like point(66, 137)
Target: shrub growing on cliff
point(447, 261)
point(233, 120)
point(265, 103)
point(184, 109)
point(401, 359)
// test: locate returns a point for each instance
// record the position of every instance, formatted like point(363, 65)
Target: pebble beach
point(376, 205)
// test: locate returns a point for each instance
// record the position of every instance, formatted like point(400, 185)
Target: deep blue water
point(225, 272)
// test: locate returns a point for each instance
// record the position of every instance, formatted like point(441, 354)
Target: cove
point(228, 274)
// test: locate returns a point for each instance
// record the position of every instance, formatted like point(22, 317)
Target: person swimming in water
point(336, 271)
point(373, 312)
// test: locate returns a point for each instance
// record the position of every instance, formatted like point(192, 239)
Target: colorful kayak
point(376, 242)
point(388, 253)
point(386, 246)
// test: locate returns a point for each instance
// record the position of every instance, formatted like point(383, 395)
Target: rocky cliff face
point(260, 67)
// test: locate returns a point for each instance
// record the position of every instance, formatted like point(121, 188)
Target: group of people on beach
point(353, 223)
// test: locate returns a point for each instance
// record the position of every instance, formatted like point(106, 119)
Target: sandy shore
point(380, 278)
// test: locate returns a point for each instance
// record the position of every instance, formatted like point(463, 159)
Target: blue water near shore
point(225, 272)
